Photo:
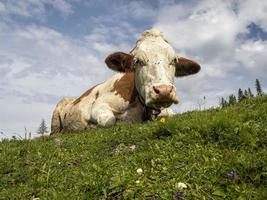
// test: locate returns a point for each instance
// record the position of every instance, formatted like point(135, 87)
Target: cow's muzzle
point(163, 95)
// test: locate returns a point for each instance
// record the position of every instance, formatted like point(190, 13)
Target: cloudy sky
point(55, 48)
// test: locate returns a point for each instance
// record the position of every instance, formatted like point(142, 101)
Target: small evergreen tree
point(232, 99)
point(42, 128)
point(240, 95)
point(223, 102)
point(258, 88)
point(246, 95)
point(250, 94)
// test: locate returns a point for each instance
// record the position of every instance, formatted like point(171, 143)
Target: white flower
point(140, 171)
point(132, 147)
point(137, 182)
point(180, 186)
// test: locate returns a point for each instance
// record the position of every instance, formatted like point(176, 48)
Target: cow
point(142, 90)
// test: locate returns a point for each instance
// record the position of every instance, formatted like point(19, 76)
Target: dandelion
point(231, 175)
point(162, 120)
point(180, 186)
point(140, 171)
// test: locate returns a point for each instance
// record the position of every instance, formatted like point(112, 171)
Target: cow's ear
point(119, 61)
point(185, 67)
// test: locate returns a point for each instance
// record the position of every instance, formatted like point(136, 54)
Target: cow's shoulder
point(124, 86)
point(121, 84)
point(85, 94)
point(102, 88)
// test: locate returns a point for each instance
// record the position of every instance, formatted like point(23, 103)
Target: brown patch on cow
point(125, 87)
point(84, 95)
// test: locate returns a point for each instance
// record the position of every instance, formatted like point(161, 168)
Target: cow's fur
point(130, 95)
point(102, 104)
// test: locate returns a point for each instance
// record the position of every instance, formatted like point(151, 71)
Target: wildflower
point(162, 120)
point(58, 142)
point(132, 147)
point(180, 186)
point(231, 175)
point(140, 171)
point(179, 195)
point(179, 190)
point(137, 182)
point(119, 149)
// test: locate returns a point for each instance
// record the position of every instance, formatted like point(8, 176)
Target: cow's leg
point(56, 123)
point(103, 115)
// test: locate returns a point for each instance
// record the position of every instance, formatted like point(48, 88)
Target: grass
point(217, 153)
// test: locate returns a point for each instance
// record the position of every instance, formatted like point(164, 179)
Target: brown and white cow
point(142, 90)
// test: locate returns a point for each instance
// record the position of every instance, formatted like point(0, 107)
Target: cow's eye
point(174, 61)
point(139, 62)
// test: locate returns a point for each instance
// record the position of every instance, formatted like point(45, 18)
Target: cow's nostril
point(156, 90)
point(163, 90)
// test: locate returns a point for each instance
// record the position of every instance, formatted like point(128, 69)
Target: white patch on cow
point(154, 64)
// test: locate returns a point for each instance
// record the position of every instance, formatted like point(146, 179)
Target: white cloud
point(136, 9)
point(252, 55)
point(2, 8)
point(47, 52)
point(253, 11)
point(34, 8)
point(63, 6)
point(40, 65)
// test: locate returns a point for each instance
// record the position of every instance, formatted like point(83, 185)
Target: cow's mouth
point(161, 104)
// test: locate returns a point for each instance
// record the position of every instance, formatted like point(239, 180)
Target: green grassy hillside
point(218, 154)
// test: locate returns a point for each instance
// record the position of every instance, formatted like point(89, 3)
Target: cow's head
point(155, 65)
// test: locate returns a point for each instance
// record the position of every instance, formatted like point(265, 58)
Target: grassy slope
point(197, 148)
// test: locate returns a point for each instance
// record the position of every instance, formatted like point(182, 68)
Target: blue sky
point(55, 48)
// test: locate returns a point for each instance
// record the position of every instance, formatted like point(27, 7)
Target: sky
point(55, 48)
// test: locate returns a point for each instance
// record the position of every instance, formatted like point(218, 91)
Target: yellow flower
point(162, 120)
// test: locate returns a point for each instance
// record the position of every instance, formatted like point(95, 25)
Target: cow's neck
point(125, 87)
point(148, 112)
